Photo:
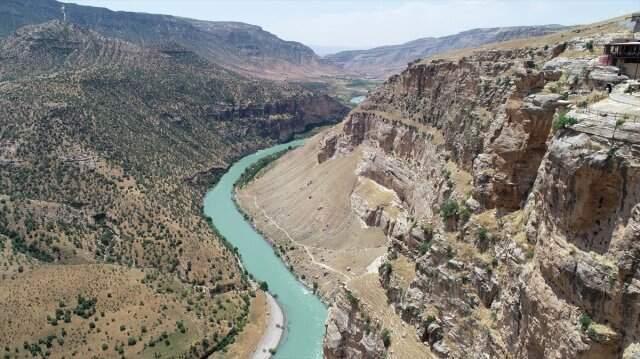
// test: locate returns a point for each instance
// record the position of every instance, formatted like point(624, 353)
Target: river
point(305, 313)
point(358, 100)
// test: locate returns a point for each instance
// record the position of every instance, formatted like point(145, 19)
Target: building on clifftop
point(624, 55)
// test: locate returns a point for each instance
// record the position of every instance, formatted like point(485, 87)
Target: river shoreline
point(296, 323)
point(272, 243)
point(275, 330)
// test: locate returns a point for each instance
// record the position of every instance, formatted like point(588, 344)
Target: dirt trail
point(306, 248)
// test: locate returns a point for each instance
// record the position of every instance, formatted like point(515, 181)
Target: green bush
point(564, 121)
point(352, 299)
point(589, 45)
point(483, 235)
point(449, 209)
point(585, 322)
point(131, 341)
point(424, 247)
point(386, 337)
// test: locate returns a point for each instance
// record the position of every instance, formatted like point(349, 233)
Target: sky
point(330, 25)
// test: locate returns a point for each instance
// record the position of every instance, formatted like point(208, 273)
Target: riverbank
point(303, 314)
point(274, 331)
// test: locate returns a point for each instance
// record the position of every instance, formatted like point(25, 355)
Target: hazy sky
point(369, 23)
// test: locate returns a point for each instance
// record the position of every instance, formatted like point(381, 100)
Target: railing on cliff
point(604, 115)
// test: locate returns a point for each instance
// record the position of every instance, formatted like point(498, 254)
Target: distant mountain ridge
point(237, 46)
point(381, 62)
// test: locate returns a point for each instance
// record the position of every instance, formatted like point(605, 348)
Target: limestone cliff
point(523, 238)
point(350, 332)
point(510, 228)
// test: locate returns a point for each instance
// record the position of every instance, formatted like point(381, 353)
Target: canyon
point(480, 202)
point(457, 213)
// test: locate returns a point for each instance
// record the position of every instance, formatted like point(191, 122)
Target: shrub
point(105, 346)
point(352, 299)
point(449, 209)
point(424, 247)
point(585, 321)
point(264, 286)
point(386, 337)
point(86, 307)
point(131, 341)
point(589, 45)
point(564, 121)
point(483, 235)
point(427, 229)
point(464, 213)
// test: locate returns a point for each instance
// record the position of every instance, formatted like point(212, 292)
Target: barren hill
point(381, 62)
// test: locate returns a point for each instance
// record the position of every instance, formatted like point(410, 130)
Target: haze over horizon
point(336, 25)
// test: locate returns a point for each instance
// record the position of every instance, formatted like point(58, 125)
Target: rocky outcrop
point(583, 220)
point(505, 172)
point(350, 334)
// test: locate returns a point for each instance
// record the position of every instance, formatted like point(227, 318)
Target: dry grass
point(462, 180)
point(127, 306)
point(250, 337)
point(404, 271)
point(311, 203)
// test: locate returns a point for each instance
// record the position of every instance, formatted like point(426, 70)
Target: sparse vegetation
point(352, 299)
point(251, 171)
point(563, 121)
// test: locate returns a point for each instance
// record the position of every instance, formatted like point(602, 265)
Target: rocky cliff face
point(523, 237)
point(350, 332)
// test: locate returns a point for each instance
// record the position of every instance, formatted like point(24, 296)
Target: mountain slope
point(237, 46)
point(383, 61)
point(106, 149)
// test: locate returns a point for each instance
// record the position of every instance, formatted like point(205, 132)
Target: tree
point(131, 341)
point(264, 286)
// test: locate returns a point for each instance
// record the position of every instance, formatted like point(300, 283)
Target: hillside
point(236, 46)
point(473, 206)
point(381, 62)
point(106, 149)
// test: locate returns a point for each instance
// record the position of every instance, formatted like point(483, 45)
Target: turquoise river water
point(305, 313)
